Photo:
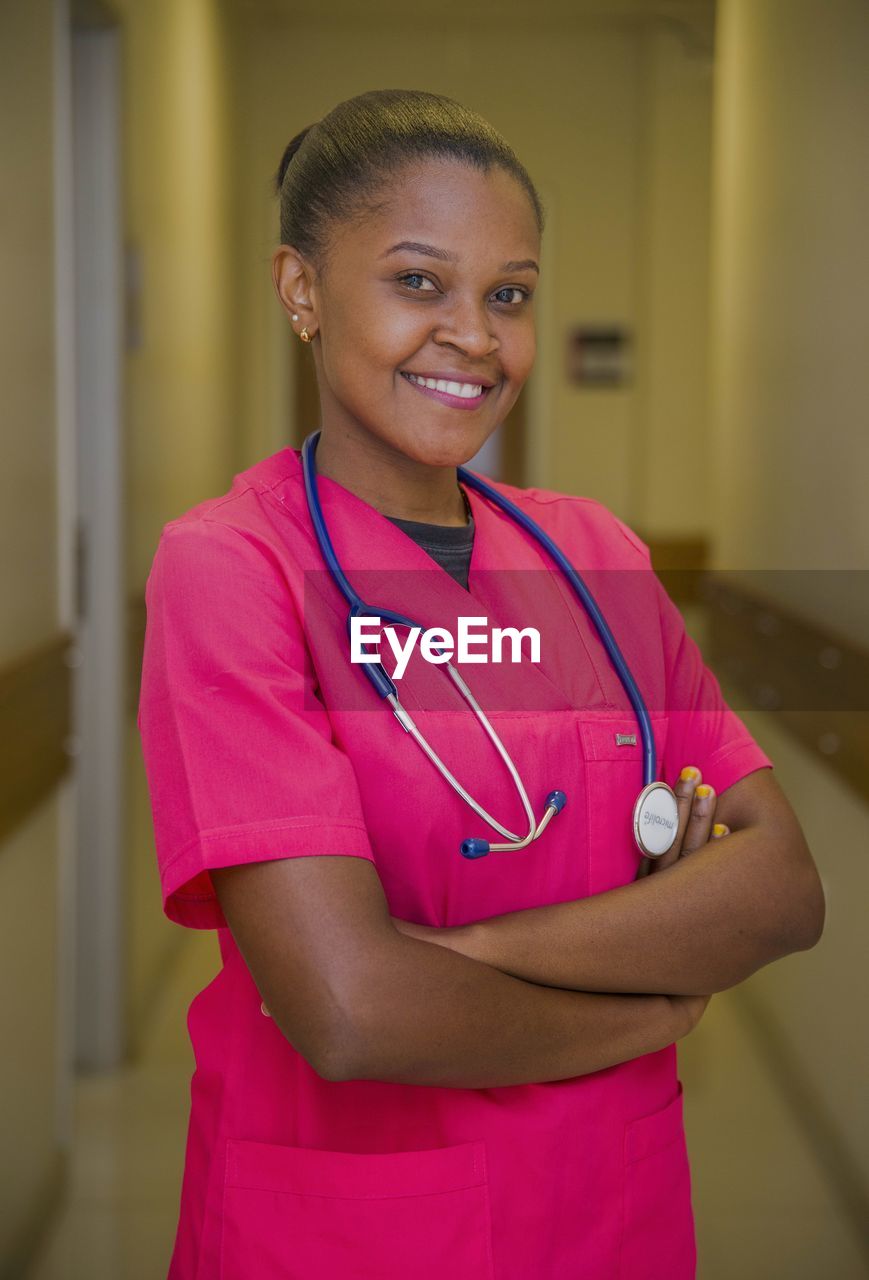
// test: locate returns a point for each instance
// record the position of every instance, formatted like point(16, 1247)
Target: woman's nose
point(468, 328)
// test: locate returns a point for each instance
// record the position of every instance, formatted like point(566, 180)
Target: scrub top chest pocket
point(613, 753)
point(292, 1213)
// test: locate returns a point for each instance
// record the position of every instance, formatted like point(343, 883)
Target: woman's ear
point(294, 283)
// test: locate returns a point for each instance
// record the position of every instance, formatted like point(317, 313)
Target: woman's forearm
point(703, 925)
point(432, 1016)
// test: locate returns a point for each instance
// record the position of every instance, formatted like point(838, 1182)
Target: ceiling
point(696, 18)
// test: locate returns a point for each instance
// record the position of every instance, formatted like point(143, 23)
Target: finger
point(699, 829)
point(687, 781)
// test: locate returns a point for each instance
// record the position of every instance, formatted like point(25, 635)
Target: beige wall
point(28, 557)
point(182, 381)
point(29, 1120)
point(791, 281)
point(29, 1076)
point(181, 415)
point(612, 121)
point(179, 196)
point(670, 466)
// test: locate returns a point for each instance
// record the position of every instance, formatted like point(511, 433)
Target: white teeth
point(467, 390)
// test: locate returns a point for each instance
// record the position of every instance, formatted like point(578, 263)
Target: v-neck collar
point(355, 527)
point(390, 571)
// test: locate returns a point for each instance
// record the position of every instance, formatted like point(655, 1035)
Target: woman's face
point(436, 284)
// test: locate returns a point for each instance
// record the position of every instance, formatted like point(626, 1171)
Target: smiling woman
point(469, 1066)
point(411, 259)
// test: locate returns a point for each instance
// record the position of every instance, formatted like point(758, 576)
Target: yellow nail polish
point(719, 829)
point(703, 790)
point(689, 773)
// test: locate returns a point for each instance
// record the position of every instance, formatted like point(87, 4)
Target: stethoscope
point(655, 815)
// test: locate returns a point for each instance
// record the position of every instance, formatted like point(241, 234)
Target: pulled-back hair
point(336, 169)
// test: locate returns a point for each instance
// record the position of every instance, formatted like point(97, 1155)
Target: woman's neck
point(392, 483)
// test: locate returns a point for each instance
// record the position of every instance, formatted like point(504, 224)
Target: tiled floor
point(764, 1211)
point(763, 1208)
point(119, 1221)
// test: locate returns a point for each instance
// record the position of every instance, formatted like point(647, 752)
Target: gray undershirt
point(449, 545)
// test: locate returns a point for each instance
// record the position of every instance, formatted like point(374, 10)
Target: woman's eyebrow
point(430, 251)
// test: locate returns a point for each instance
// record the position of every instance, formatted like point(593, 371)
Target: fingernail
point(689, 773)
point(719, 829)
point(703, 791)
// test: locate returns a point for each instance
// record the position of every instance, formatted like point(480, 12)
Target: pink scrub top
point(261, 741)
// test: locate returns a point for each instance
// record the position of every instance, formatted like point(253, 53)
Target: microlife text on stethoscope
point(655, 813)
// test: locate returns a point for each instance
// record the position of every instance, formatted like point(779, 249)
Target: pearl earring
point(295, 316)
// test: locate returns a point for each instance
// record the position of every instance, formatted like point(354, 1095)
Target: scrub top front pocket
point(614, 779)
point(291, 1213)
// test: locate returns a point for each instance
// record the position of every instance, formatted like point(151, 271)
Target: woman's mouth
point(458, 395)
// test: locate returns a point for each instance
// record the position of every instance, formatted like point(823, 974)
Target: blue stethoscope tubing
point(592, 608)
point(386, 688)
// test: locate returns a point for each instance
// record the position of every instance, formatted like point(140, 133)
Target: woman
point(413, 1062)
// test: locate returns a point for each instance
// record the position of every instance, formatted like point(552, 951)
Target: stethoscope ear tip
point(556, 800)
point(474, 848)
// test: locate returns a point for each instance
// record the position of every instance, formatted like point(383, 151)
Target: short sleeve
point(703, 730)
point(240, 766)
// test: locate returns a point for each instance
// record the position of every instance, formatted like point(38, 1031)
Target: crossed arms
point(701, 923)
point(545, 994)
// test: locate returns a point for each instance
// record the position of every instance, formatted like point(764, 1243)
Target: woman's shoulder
point(578, 520)
point(238, 544)
point(242, 503)
point(243, 513)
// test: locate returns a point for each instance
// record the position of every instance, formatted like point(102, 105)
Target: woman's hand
point(687, 1009)
point(696, 804)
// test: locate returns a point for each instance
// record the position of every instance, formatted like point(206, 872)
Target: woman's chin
point(445, 451)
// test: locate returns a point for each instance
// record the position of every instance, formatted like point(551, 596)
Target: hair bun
point(358, 147)
point(289, 151)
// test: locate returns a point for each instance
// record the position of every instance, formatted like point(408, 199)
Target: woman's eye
point(416, 282)
point(511, 302)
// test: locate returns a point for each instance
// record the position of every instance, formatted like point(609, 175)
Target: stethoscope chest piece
point(656, 819)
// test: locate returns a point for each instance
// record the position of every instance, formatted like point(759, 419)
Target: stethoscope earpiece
point(474, 848)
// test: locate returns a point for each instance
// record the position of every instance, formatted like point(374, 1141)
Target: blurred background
point(702, 371)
